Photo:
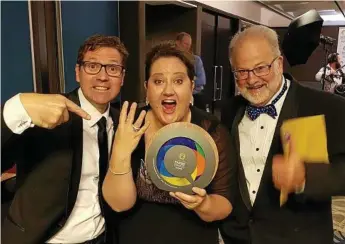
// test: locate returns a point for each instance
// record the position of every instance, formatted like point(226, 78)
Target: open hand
point(128, 134)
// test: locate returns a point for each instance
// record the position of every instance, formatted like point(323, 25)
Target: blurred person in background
point(333, 76)
point(184, 42)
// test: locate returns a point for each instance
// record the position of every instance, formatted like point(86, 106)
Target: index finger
point(185, 197)
point(72, 107)
point(123, 113)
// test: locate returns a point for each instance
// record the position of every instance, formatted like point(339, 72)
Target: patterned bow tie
point(254, 112)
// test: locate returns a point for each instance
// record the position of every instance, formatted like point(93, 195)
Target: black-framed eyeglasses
point(93, 68)
point(261, 70)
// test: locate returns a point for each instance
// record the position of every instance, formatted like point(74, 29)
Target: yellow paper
point(309, 138)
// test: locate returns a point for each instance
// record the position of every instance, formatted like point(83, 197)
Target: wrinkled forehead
point(168, 65)
point(104, 54)
point(251, 51)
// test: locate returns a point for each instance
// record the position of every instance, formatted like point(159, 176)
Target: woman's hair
point(332, 58)
point(169, 49)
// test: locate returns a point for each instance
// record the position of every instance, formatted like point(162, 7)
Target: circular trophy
point(181, 156)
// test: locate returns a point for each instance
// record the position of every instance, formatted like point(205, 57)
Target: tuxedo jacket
point(48, 174)
point(306, 217)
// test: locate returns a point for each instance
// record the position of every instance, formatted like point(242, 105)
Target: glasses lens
point(114, 70)
point(241, 74)
point(261, 70)
point(92, 68)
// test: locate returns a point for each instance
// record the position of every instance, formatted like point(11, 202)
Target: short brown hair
point(97, 41)
point(169, 49)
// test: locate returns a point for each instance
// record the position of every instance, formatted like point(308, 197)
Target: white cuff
point(15, 116)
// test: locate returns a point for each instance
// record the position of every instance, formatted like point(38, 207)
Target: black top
point(159, 218)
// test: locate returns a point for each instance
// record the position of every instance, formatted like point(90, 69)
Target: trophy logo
point(177, 158)
point(182, 156)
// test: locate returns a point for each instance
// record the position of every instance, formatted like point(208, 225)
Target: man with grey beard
point(267, 98)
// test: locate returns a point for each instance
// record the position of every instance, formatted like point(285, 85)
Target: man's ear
point(281, 63)
point(77, 72)
point(123, 79)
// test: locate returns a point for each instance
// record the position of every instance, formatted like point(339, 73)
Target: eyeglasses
point(93, 68)
point(262, 70)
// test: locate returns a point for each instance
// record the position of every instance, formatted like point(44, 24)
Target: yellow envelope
point(310, 139)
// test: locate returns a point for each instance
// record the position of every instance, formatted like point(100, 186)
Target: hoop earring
point(192, 101)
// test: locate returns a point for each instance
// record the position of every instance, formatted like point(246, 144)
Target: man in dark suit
point(60, 144)
point(267, 99)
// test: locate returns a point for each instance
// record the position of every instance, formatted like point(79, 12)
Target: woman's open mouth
point(169, 106)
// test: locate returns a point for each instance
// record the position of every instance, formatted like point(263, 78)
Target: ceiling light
point(334, 17)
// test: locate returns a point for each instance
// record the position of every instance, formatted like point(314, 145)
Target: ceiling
point(174, 2)
point(332, 12)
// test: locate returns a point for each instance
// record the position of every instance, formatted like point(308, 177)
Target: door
point(223, 70)
point(208, 50)
point(216, 34)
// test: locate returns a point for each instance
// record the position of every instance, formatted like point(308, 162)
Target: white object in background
point(341, 46)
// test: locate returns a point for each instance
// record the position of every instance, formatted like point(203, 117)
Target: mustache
point(257, 86)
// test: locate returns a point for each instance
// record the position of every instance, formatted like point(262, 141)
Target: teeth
point(101, 88)
point(255, 87)
point(169, 101)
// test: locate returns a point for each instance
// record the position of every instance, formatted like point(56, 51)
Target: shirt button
point(258, 170)
point(257, 149)
point(253, 192)
point(96, 178)
point(261, 127)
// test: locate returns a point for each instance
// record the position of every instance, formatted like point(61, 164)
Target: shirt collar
point(92, 111)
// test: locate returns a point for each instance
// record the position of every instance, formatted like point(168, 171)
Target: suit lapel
point(241, 176)
point(289, 110)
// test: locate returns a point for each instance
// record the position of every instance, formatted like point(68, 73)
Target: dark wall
point(80, 20)
point(306, 72)
point(164, 22)
point(16, 64)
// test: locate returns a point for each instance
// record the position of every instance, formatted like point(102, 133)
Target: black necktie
point(103, 159)
point(103, 148)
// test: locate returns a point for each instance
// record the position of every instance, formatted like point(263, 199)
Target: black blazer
point(48, 174)
point(306, 217)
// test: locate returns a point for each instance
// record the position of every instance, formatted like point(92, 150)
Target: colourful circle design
point(199, 155)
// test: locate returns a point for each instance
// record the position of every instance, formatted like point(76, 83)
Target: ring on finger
point(136, 129)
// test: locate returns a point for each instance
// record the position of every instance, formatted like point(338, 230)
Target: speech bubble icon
point(180, 161)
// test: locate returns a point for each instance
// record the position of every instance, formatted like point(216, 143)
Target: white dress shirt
point(85, 221)
point(255, 142)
